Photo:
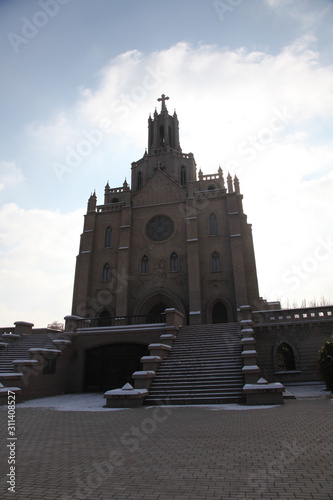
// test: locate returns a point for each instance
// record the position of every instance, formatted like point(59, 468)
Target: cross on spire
point(162, 99)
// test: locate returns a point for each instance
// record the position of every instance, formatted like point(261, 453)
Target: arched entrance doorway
point(156, 302)
point(105, 319)
point(220, 313)
point(156, 312)
point(111, 366)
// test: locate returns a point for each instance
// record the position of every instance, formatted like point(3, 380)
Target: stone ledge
point(168, 338)
point(248, 340)
point(61, 342)
point(4, 390)
point(161, 350)
point(4, 394)
point(10, 337)
point(251, 369)
point(251, 372)
point(262, 388)
point(151, 363)
point(249, 354)
point(37, 350)
point(9, 376)
point(263, 393)
point(25, 362)
point(143, 379)
point(126, 397)
point(144, 374)
point(160, 346)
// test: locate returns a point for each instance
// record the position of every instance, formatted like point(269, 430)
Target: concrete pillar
point(23, 328)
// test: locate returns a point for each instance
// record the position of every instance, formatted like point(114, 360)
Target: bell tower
point(163, 130)
point(164, 151)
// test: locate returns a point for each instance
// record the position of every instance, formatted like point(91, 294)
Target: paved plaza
point(172, 453)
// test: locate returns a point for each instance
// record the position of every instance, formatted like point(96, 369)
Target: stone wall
point(303, 330)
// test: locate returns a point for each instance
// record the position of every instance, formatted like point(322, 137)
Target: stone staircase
point(19, 348)
point(203, 367)
point(22, 358)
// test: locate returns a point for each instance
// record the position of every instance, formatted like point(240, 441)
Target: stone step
point(198, 400)
point(213, 363)
point(201, 376)
point(195, 389)
point(19, 349)
point(207, 352)
point(210, 363)
point(194, 371)
point(203, 367)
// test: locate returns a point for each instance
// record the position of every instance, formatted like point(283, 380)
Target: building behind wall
point(175, 238)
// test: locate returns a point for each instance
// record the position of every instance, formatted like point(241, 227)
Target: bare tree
point(56, 325)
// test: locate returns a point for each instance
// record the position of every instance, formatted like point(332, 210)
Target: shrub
point(325, 362)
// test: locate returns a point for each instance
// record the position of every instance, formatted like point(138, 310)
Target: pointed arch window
point(108, 237)
point(144, 265)
point(174, 263)
point(216, 263)
point(162, 138)
point(183, 176)
point(285, 359)
point(106, 273)
point(212, 225)
point(139, 183)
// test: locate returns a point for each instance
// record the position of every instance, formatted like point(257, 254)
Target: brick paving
point(192, 453)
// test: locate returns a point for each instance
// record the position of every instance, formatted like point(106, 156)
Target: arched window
point(104, 319)
point(216, 263)
point(106, 273)
point(108, 237)
point(212, 225)
point(162, 140)
point(139, 180)
point(183, 176)
point(144, 265)
point(285, 360)
point(174, 264)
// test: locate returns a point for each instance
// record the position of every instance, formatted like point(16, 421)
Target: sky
point(252, 84)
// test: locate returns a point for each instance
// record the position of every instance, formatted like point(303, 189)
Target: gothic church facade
point(175, 239)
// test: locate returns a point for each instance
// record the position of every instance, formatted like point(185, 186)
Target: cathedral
point(175, 238)
point(166, 298)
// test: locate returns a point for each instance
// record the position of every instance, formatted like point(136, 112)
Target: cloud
point(259, 115)
point(10, 175)
point(234, 92)
point(37, 259)
point(303, 13)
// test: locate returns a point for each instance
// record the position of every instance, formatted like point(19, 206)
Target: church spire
point(163, 130)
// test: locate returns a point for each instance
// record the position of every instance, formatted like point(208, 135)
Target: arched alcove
point(220, 313)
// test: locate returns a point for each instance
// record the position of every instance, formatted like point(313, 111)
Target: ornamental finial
point(162, 99)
